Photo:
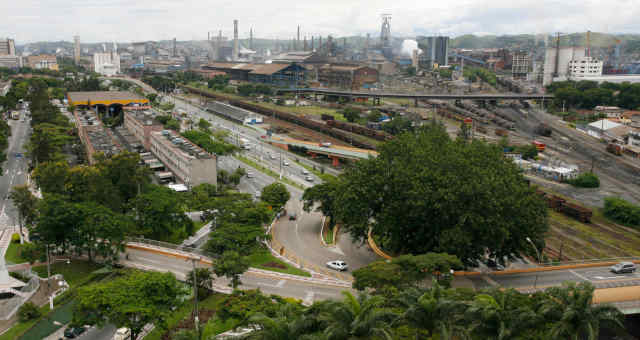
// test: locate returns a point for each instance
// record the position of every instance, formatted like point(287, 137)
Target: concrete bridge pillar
point(335, 161)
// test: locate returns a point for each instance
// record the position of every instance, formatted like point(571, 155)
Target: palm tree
point(501, 315)
point(437, 313)
point(358, 318)
point(286, 324)
point(571, 310)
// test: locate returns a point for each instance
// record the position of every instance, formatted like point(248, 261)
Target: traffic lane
point(267, 284)
point(14, 170)
point(301, 237)
point(556, 277)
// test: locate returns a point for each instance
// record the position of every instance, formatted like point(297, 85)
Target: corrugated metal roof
point(104, 95)
point(269, 68)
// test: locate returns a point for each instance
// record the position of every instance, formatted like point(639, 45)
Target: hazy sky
point(137, 20)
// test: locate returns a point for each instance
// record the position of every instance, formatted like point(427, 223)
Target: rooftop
point(604, 124)
point(183, 145)
point(103, 97)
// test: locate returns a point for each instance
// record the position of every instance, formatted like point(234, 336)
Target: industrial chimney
point(236, 50)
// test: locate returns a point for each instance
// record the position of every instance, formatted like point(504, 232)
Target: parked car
point(338, 265)
point(623, 267)
point(493, 264)
point(73, 332)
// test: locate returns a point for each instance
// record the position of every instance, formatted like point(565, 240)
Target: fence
point(173, 246)
point(10, 306)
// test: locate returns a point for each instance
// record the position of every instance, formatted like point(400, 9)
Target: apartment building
point(43, 61)
point(585, 67)
point(189, 163)
point(141, 124)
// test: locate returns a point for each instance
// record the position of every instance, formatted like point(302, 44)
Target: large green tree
point(231, 265)
point(160, 216)
point(26, 203)
point(428, 193)
point(276, 195)
point(131, 301)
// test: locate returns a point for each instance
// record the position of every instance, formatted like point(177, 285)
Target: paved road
point(14, 170)
point(306, 291)
point(601, 277)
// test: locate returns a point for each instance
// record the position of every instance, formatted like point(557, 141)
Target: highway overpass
point(333, 152)
point(419, 96)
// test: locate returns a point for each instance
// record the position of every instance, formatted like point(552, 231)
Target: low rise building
point(274, 74)
point(609, 111)
point(95, 137)
point(352, 77)
point(189, 163)
point(10, 61)
point(141, 124)
point(43, 61)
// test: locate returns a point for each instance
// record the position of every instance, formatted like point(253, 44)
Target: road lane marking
point(578, 275)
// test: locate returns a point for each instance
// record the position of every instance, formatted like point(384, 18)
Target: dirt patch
point(274, 265)
point(187, 323)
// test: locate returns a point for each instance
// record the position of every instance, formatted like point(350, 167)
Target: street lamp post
point(535, 283)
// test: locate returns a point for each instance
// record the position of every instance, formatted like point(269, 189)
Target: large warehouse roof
point(105, 98)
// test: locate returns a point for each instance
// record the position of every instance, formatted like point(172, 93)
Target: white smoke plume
point(408, 46)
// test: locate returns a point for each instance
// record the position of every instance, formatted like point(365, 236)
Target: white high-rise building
point(585, 67)
point(106, 64)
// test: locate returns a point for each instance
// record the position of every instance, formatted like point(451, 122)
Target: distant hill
point(630, 42)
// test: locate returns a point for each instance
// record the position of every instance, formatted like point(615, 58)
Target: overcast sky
point(137, 20)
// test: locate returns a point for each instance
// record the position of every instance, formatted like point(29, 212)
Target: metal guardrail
point(588, 261)
point(173, 246)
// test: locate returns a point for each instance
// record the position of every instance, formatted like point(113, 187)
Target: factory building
point(351, 77)
point(435, 52)
point(273, 74)
point(556, 63)
point(106, 64)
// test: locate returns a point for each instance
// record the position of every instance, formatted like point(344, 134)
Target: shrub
point(28, 311)
point(15, 238)
point(622, 211)
point(585, 180)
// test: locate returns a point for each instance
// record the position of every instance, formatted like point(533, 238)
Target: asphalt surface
point(14, 170)
point(303, 240)
point(306, 291)
point(600, 277)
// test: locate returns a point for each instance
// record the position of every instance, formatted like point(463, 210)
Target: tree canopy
point(428, 193)
point(276, 195)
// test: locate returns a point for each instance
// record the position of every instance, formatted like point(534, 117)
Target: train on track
point(561, 205)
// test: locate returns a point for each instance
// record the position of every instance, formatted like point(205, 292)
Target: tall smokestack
point(305, 43)
point(175, 49)
point(236, 48)
point(313, 46)
point(298, 40)
point(320, 45)
point(366, 46)
point(251, 38)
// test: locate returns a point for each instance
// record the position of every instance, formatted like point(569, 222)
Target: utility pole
point(195, 295)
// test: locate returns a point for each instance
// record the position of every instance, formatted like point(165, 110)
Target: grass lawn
point(328, 236)
point(74, 273)
point(21, 327)
point(13, 252)
point(198, 225)
point(46, 326)
point(262, 258)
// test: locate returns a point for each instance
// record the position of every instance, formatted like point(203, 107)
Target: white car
point(309, 179)
point(285, 163)
point(272, 156)
point(337, 265)
point(249, 174)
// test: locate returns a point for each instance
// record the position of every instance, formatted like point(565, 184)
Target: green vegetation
point(587, 94)
point(265, 260)
point(46, 326)
point(276, 195)
point(13, 254)
point(424, 179)
point(417, 313)
point(621, 211)
point(205, 140)
point(585, 180)
point(323, 175)
point(130, 301)
point(445, 73)
point(75, 272)
point(475, 73)
point(168, 122)
point(406, 270)
point(28, 311)
point(218, 83)
point(247, 90)
point(327, 236)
